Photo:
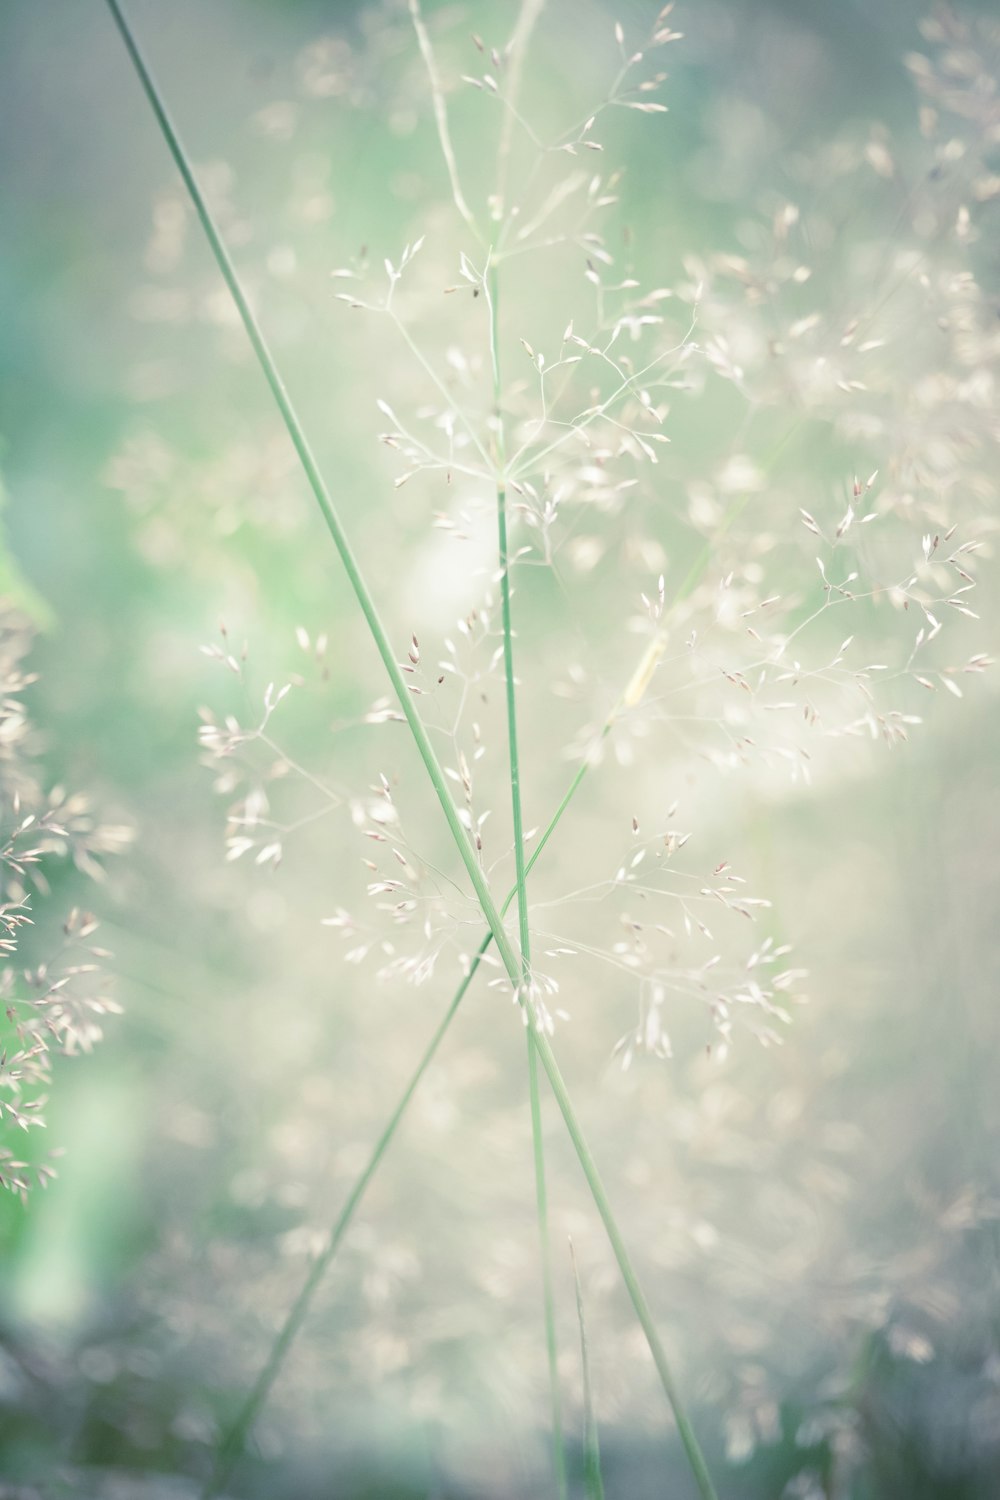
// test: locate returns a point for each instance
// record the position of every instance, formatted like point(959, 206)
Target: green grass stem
point(323, 498)
point(232, 1446)
point(591, 1442)
point(235, 1438)
point(524, 932)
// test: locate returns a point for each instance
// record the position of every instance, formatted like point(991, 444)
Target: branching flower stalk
point(541, 1195)
point(630, 697)
point(441, 119)
point(523, 27)
point(528, 15)
point(464, 843)
point(57, 1007)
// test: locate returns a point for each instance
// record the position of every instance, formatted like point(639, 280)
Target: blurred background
point(816, 1218)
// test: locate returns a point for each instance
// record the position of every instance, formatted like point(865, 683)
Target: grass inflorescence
point(725, 663)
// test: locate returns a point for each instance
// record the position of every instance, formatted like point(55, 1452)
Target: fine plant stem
point(526, 22)
point(591, 1443)
point(232, 1446)
point(441, 118)
point(692, 1448)
point(324, 500)
point(524, 932)
point(435, 378)
point(548, 1296)
point(420, 736)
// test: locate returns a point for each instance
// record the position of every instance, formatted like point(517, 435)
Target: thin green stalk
point(441, 118)
point(322, 496)
point(524, 932)
point(706, 552)
point(232, 1446)
point(419, 732)
point(526, 22)
point(591, 1442)
point(548, 1295)
point(695, 1457)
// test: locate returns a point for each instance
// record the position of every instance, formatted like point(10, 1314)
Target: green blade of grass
point(321, 494)
point(524, 932)
point(421, 740)
point(232, 1445)
point(591, 1444)
point(692, 1448)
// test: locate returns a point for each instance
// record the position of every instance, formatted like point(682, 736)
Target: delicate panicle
point(55, 1008)
point(686, 609)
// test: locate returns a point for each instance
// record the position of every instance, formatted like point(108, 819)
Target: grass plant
point(529, 455)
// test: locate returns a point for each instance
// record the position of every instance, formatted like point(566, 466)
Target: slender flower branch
point(232, 1446)
point(432, 374)
point(491, 288)
point(441, 119)
point(526, 21)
